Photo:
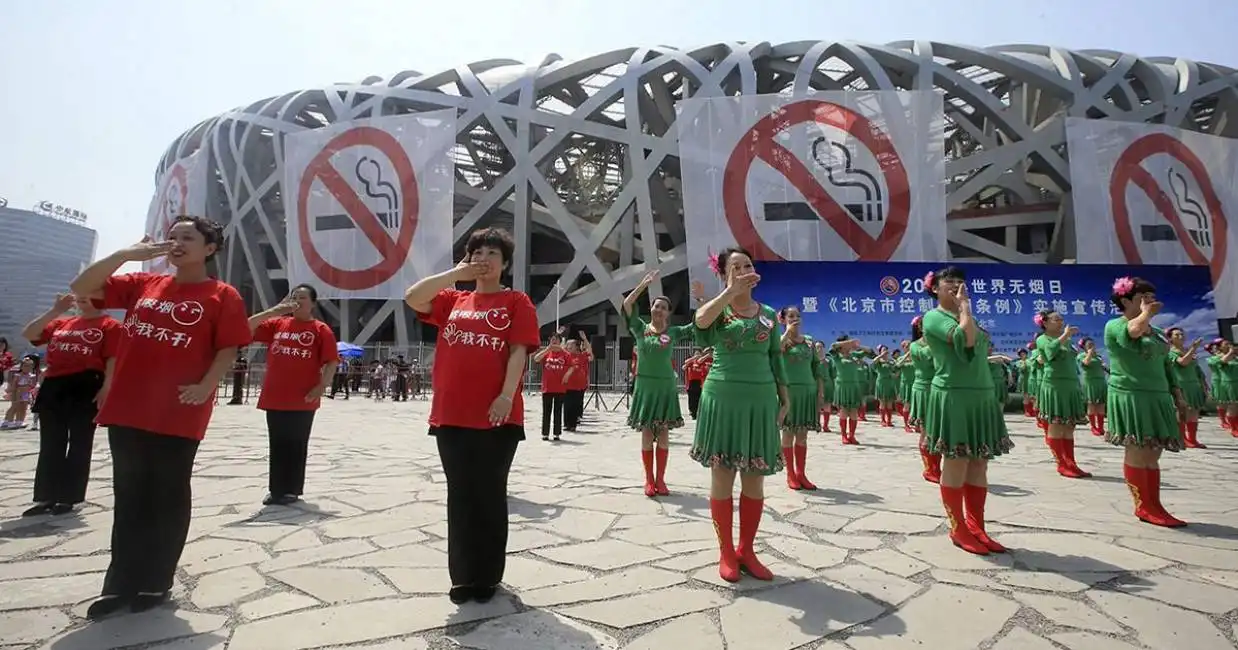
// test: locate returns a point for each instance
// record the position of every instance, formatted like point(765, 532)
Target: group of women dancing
point(151, 380)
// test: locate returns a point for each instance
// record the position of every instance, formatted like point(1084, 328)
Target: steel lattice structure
point(578, 158)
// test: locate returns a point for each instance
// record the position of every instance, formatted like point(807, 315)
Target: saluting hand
point(146, 250)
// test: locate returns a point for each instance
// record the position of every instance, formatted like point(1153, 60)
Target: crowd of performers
point(757, 389)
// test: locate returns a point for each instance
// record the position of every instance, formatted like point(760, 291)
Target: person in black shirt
point(402, 372)
point(240, 368)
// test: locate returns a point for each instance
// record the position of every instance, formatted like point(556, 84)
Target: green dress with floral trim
point(737, 420)
point(850, 380)
point(1095, 388)
point(803, 370)
point(1060, 400)
point(1224, 373)
point(962, 419)
point(655, 392)
point(1140, 407)
point(922, 370)
point(1188, 379)
point(885, 387)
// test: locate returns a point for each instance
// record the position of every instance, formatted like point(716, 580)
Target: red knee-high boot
point(722, 511)
point(646, 457)
point(974, 497)
point(749, 522)
point(952, 499)
point(864, 411)
point(801, 458)
point(661, 455)
point(851, 425)
point(1192, 436)
point(1154, 489)
point(1145, 490)
point(931, 462)
point(1068, 447)
point(788, 457)
point(825, 421)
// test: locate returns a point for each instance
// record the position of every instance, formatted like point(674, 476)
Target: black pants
point(150, 516)
point(694, 397)
point(238, 387)
point(289, 434)
point(66, 443)
point(476, 463)
point(338, 383)
point(573, 408)
point(552, 411)
point(401, 388)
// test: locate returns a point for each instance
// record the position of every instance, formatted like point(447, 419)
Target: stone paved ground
point(862, 564)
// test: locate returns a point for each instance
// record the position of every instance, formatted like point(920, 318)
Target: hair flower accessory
point(1031, 345)
point(1123, 286)
point(1039, 320)
point(713, 264)
point(915, 321)
point(928, 280)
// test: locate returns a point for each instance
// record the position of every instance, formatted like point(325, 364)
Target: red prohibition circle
point(178, 174)
point(1129, 169)
point(759, 142)
point(393, 253)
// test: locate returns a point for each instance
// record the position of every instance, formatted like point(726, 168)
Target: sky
point(94, 92)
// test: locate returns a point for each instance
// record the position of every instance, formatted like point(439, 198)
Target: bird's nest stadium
point(548, 151)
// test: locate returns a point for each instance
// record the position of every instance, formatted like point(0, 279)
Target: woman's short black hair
point(1083, 342)
point(212, 232)
point(497, 238)
point(1021, 353)
point(952, 272)
point(1138, 285)
point(782, 313)
point(843, 337)
point(1044, 316)
point(724, 257)
point(309, 288)
point(1170, 332)
point(669, 306)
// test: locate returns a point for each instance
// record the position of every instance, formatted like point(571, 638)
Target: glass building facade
point(39, 256)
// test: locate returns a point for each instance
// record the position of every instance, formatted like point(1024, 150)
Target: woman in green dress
point(804, 386)
point(906, 377)
point(850, 383)
point(1142, 417)
point(921, 369)
point(1020, 371)
point(885, 386)
point(962, 421)
point(654, 410)
point(827, 384)
point(1184, 365)
point(743, 403)
point(1095, 388)
point(1061, 399)
point(1223, 364)
point(999, 367)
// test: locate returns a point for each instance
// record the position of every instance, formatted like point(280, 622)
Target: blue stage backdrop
point(876, 301)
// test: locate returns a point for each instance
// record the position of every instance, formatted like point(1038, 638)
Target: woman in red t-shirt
point(6, 359)
point(81, 352)
point(181, 333)
point(477, 415)
point(580, 355)
point(554, 362)
point(301, 362)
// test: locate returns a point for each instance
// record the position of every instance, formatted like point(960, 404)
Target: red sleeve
point(328, 351)
point(112, 334)
point(265, 332)
point(440, 307)
point(232, 328)
point(524, 322)
point(123, 291)
point(48, 330)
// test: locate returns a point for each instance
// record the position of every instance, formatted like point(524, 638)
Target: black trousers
point(401, 388)
point(552, 412)
point(476, 463)
point(289, 434)
point(238, 387)
point(66, 444)
point(694, 397)
point(338, 383)
point(150, 516)
point(573, 408)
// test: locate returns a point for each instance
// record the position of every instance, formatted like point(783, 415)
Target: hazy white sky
point(92, 93)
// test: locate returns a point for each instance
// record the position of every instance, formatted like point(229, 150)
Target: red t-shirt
point(298, 349)
point(579, 380)
point(475, 333)
point(172, 333)
point(705, 365)
point(6, 361)
point(554, 366)
point(691, 371)
point(77, 344)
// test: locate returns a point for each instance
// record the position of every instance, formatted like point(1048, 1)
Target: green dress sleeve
point(681, 333)
point(775, 352)
point(707, 337)
point(818, 368)
point(1116, 334)
point(1049, 347)
point(636, 324)
point(944, 328)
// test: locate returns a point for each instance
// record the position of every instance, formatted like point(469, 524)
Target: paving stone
point(657, 536)
point(275, 605)
point(896, 522)
point(789, 617)
point(892, 561)
point(1062, 552)
point(938, 551)
point(335, 585)
point(877, 585)
point(1067, 582)
point(850, 541)
point(583, 525)
point(524, 540)
point(434, 580)
point(49, 592)
point(1089, 641)
point(535, 631)
point(1159, 626)
point(53, 567)
point(820, 520)
point(783, 573)
point(1021, 639)
point(211, 554)
point(31, 626)
point(527, 574)
point(213, 641)
point(1187, 594)
point(809, 554)
point(603, 555)
point(966, 579)
point(615, 585)
point(1070, 613)
point(148, 627)
point(691, 632)
point(402, 538)
point(649, 607)
point(690, 561)
point(919, 622)
point(399, 644)
point(1181, 551)
point(226, 587)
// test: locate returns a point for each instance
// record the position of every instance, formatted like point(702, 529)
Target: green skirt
point(885, 390)
point(1142, 419)
point(904, 389)
point(917, 404)
point(1032, 390)
point(655, 404)
point(1095, 391)
point(803, 414)
point(1224, 393)
point(827, 391)
point(1061, 402)
point(737, 428)
point(1194, 396)
point(1002, 393)
point(965, 423)
point(848, 395)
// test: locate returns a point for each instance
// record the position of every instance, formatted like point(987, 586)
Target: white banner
point(180, 191)
point(368, 204)
point(1152, 194)
point(832, 176)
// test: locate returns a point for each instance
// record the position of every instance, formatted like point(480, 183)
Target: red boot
point(974, 497)
point(801, 457)
point(1192, 436)
point(931, 462)
point(825, 421)
point(1139, 480)
point(952, 499)
point(851, 425)
point(749, 521)
point(1100, 424)
point(661, 455)
point(1154, 488)
point(1068, 447)
point(722, 512)
point(788, 457)
point(646, 457)
point(864, 412)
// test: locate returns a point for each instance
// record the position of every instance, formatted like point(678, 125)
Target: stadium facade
point(556, 152)
point(40, 256)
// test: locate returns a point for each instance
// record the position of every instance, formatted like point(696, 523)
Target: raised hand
point(146, 250)
point(468, 270)
point(737, 284)
point(1071, 331)
point(649, 278)
point(286, 306)
point(1150, 307)
point(65, 301)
